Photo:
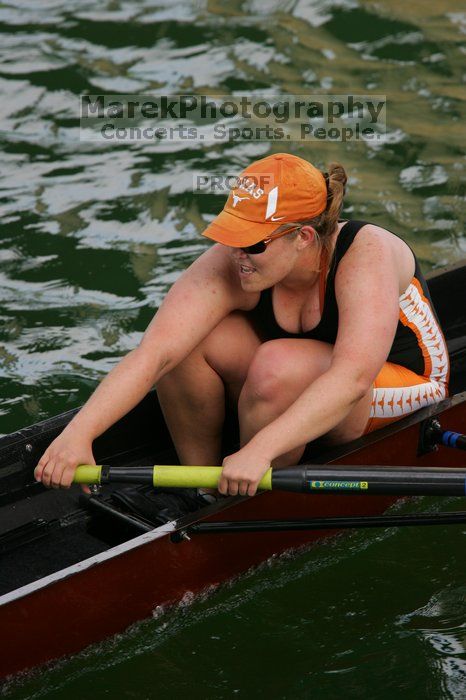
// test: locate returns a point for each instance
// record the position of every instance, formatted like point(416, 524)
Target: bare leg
point(192, 400)
point(278, 374)
point(192, 395)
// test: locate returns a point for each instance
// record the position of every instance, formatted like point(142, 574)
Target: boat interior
point(43, 530)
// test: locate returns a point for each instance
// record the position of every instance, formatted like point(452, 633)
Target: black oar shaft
point(127, 475)
point(310, 478)
point(394, 481)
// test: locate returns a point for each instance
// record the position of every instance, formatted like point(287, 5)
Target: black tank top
point(418, 345)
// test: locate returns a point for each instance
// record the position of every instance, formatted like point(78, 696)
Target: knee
point(268, 375)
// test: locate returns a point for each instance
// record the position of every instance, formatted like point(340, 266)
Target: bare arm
point(207, 292)
point(367, 291)
point(204, 294)
point(122, 389)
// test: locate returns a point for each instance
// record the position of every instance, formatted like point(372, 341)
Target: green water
point(93, 235)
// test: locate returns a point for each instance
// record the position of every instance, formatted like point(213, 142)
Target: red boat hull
point(126, 584)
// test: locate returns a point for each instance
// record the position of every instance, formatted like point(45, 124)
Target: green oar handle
point(196, 477)
point(87, 474)
point(164, 475)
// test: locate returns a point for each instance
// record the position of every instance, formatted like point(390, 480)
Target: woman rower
point(310, 325)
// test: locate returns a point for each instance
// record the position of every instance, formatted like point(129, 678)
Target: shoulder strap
point(345, 238)
point(322, 278)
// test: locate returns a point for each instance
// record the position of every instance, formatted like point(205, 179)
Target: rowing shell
point(61, 563)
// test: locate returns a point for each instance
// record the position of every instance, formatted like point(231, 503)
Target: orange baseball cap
point(279, 189)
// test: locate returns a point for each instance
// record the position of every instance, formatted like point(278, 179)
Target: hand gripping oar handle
point(317, 479)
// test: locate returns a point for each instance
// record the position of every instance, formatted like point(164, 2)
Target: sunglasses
point(260, 247)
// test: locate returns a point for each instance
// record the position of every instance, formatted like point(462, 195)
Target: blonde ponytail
point(336, 179)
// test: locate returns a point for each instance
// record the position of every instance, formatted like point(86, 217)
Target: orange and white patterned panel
point(416, 313)
point(392, 403)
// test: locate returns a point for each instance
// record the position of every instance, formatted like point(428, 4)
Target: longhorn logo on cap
point(237, 199)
